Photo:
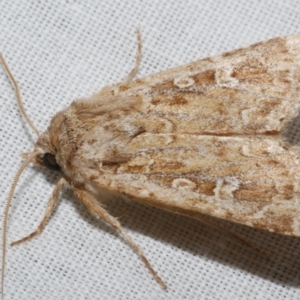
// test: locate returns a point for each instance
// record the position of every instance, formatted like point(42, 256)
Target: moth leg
point(49, 209)
point(95, 209)
point(229, 233)
point(138, 59)
point(121, 215)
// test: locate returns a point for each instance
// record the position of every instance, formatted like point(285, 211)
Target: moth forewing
point(211, 138)
point(200, 138)
point(249, 180)
point(253, 90)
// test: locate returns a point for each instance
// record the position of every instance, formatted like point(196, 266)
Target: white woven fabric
point(60, 51)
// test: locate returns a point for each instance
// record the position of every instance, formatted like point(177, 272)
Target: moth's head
point(49, 161)
point(49, 144)
point(45, 158)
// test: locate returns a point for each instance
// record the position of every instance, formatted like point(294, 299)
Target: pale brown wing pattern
point(205, 137)
point(252, 181)
point(250, 90)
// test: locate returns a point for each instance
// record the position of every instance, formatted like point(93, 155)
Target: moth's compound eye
point(50, 162)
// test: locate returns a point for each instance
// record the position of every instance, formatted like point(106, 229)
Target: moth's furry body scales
point(204, 138)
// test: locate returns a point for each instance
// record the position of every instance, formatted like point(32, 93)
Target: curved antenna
point(18, 94)
point(7, 205)
point(138, 59)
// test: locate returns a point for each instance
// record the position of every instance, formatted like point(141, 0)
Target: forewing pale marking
point(251, 181)
point(250, 90)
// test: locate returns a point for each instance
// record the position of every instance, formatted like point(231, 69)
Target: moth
point(201, 139)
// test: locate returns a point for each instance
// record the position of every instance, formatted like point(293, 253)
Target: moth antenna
point(18, 94)
point(138, 59)
point(7, 205)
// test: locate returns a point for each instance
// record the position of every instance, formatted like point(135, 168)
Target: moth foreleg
point(95, 209)
point(49, 209)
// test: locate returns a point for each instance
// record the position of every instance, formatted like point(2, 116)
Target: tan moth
point(204, 138)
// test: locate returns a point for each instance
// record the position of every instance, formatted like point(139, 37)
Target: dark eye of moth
point(50, 162)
